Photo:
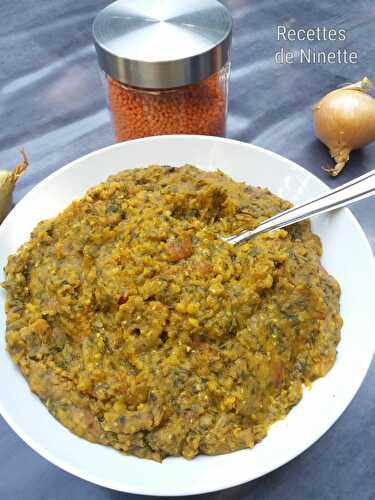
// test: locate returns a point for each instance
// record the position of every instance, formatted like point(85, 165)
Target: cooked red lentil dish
point(139, 328)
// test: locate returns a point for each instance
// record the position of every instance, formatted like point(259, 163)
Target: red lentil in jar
point(165, 73)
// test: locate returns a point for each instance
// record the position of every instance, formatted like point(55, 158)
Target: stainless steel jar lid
point(158, 44)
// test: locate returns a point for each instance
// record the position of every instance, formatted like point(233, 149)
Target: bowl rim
point(222, 483)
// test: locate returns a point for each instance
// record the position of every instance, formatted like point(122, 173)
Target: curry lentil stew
point(140, 329)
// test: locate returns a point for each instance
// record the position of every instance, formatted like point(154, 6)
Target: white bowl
point(347, 256)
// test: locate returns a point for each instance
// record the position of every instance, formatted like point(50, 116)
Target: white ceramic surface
point(347, 255)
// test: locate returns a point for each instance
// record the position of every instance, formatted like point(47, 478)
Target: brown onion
point(344, 120)
point(8, 180)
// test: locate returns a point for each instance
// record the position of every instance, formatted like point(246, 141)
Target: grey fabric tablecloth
point(51, 103)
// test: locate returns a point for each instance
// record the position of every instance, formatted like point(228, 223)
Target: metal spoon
point(355, 190)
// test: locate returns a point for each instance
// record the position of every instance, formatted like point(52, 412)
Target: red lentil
point(199, 108)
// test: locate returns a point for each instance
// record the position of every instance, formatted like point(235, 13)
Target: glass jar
point(165, 70)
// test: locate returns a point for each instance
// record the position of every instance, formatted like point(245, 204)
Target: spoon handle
point(355, 190)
